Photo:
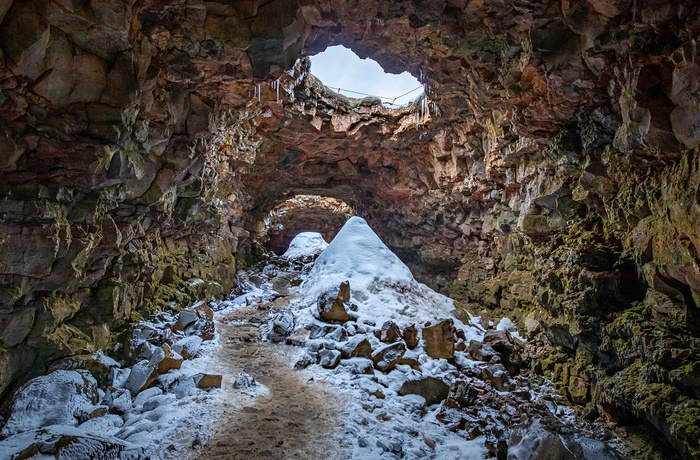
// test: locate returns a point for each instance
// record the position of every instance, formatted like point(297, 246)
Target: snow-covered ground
point(415, 380)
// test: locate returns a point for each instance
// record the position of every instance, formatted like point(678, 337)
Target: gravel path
point(298, 417)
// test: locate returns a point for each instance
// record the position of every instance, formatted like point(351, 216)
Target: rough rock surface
point(142, 144)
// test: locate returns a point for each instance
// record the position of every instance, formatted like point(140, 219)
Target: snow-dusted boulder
point(59, 398)
point(305, 246)
point(65, 442)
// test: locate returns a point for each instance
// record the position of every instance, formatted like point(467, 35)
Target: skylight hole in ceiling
point(343, 71)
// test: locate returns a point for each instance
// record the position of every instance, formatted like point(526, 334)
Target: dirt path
point(297, 419)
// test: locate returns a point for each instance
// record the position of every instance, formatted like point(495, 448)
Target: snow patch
point(305, 245)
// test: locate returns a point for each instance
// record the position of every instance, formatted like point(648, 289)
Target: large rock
point(59, 398)
point(439, 340)
point(188, 347)
point(390, 332)
point(432, 389)
point(331, 307)
point(387, 357)
point(356, 347)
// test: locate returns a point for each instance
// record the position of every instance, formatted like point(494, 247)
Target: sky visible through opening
point(339, 67)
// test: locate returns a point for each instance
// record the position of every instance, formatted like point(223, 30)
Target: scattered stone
point(204, 312)
point(331, 307)
point(203, 328)
point(432, 389)
point(386, 358)
point(390, 332)
point(142, 376)
point(410, 336)
point(244, 382)
point(206, 381)
point(463, 394)
point(439, 340)
point(502, 343)
point(481, 351)
point(184, 319)
point(328, 358)
point(498, 376)
point(358, 366)
point(410, 359)
point(357, 346)
point(305, 361)
point(170, 360)
point(119, 401)
point(188, 347)
point(282, 326)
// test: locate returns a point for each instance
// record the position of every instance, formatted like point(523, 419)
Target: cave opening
point(343, 71)
point(302, 213)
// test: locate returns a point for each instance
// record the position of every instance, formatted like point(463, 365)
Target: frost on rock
point(59, 398)
point(382, 287)
point(304, 246)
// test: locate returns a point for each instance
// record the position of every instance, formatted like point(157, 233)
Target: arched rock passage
point(302, 213)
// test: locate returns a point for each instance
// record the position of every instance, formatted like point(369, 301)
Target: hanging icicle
point(258, 92)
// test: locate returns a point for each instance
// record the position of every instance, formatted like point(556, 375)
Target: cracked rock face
point(551, 174)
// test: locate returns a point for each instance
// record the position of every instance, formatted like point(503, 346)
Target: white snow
point(506, 324)
point(382, 287)
point(304, 245)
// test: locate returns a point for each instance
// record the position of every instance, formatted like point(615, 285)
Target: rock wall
point(550, 174)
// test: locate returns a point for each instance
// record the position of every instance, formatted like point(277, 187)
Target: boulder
point(67, 442)
point(169, 360)
point(502, 342)
point(97, 364)
point(410, 359)
point(410, 336)
point(439, 340)
point(244, 382)
point(59, 398)
point(390, 332)
point(203, 328)
point(206, 381)
point(328, 358)
point(282, 326)
point(184, 319)
point(331, 308)
point(387, 357)
point(204, 312)
point(481, 351)
point(141, 376)
point(188, 347)
point(463, 394)
point(357, 346)
point(305, 361)
point(498, 376)
point(358, 366)
point(432, 389)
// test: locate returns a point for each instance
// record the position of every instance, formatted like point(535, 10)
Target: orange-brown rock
point(439, 339)
point(206, 381)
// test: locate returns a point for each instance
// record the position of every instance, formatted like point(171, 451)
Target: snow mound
point(381, 286)
point(304, 245)
point(59, 398)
